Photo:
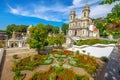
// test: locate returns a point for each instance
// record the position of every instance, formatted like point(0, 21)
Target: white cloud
point(60, 13)
point(101, 10)
point(81, 3)
point(36, 12)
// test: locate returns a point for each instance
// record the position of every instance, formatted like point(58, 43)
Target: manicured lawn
point(94, 41)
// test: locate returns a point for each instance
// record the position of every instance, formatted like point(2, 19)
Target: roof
point(95, 29)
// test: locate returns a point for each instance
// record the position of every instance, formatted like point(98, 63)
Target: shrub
point(104, 58)
point(77, 52)
point(15, 56)
point(94, 41)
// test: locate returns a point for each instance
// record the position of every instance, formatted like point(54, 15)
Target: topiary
point(104, 58)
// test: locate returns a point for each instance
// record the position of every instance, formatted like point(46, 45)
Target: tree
point(101, 25)
point(49, 28)
point(38, 39)
point(59, 39)
point(65, 28)
point(51, 40)
point(108, 1)
point(113, 21)
point(16, 28)
point(56, 30)
point(52, 29)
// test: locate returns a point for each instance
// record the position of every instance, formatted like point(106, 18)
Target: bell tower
point(86, 11)
point(72, 15)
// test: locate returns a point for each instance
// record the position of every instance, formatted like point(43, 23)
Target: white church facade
point(82, 27)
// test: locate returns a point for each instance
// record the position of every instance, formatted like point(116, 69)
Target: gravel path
point(112, 71)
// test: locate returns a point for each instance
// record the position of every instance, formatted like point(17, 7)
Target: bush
point(104, 58)
point(15, 56)
point(94, 41)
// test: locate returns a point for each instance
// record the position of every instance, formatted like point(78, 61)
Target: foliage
point(16, 28)
point(94, 41)
point(58, 39)
point(20, 77)
point(101, 25)
point(60, 74)
point(31, 62)
point(65, 28)
point(111, 23)
point(108, 1)
point(59, 55)
point(15, 56)
point(84, 61)
point(104, 58)
point(52, 29)
point(38, 39)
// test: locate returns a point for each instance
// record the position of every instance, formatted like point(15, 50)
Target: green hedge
point(94, 41)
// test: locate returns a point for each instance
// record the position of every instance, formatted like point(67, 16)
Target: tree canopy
point(108, 1)
point(52, 29)
point(38, 37)
point(16, 28)
point(65, 28)
point(111, 23)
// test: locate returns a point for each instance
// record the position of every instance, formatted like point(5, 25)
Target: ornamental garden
point(56, 65)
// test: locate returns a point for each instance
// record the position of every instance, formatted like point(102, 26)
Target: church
point(82, 27)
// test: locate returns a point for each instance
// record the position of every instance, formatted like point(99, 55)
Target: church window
point(84, 14)
point(83, 23)
point(83, 31)
point(71, 17)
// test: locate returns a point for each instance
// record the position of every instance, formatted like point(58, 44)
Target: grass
point(94, 41)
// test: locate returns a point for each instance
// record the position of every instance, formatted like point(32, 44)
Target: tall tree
point(65, 28)
point(38, 38)
point(16, 28)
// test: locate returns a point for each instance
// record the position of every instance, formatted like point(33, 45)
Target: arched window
point(71, 17)
point(83, 23)
point(84, 14)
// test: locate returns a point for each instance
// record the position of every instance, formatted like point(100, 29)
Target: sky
point(55, 12)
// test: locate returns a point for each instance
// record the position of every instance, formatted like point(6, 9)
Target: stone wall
point(99, 75)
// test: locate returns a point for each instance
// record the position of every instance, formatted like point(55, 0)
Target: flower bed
point(58, 73)
point(31, 62)
point(84, 61)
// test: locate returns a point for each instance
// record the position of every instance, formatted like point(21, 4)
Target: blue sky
point(55, 12)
